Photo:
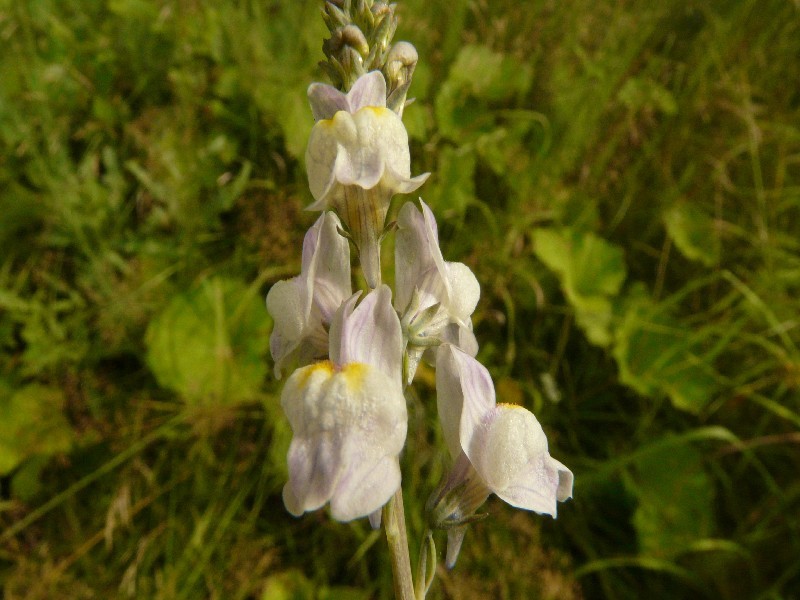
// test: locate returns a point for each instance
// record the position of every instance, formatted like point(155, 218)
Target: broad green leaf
point(209, 344)
point(591, 272)
point(453, 188)
point(294, 117)
point(656, 354)
point(343, 593)
point(638, 94)
point(25, 483)
point(32, 424)
point(490, 75)
point(693, 233)
point(288, 585)
point(478, 77)
point(675, 500)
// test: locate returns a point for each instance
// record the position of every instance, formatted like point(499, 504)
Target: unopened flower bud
point(399, 67)
point(352, 36)
point(380, 9)
point(347, 36)
point(400, 64)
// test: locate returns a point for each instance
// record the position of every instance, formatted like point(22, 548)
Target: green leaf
point(693, 232)
point(477, 78)
point(490, 75)
point(294, 118)
point(675, 500)
point(26, 484)
point(343, 593)
point(591, 271)
point(656, 354)
point(288, 585)
point(453, 187)
point(209, 344)
point(32, 424)
point(638, 94)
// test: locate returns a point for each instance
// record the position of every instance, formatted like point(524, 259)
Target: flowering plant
point(355, 356)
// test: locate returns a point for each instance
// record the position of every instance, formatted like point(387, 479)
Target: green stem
point(426, 569)
point(394, 522)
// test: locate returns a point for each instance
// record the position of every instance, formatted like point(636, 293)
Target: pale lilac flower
point(498, 448)
point(303, 307)
point(357, 159)
point(348, 415)
point(435, 298)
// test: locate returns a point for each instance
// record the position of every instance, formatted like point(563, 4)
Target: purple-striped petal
point(369, 333)
point(465, 394)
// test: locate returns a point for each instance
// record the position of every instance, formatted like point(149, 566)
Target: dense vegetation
point(623, 178)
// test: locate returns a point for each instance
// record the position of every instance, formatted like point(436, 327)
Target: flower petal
point(326, 101)
point(411, 254)
point(465, 291)
point(359, 149)
point(368, 90)
point(509, 451)
point(402, 183)
point(565, 480)
point(431, 232)
point(285, 302)
point(465, 394)
point(461, 336)
point(301, 307)
point(330, 267)
point(349, 426)
point(369, 333)
point(314, 466)
point(380, 142)
point(418, 259)
point(365, 489)
point(320, 157)
point(309, 400)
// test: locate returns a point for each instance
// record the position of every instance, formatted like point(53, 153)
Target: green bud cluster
point(361, 35)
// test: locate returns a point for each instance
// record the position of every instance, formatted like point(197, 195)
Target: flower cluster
point(354, 354)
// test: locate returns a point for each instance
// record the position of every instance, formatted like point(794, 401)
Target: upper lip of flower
point(302, 307)
point(326, 100)
point(426, 273)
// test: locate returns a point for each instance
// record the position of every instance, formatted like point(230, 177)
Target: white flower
point(348, 415)
point(504, 445)
point(435, 297)
point(357, 159)
point(303, 307)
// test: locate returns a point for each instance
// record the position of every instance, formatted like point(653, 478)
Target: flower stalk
point(354, 354)
point(394, 524)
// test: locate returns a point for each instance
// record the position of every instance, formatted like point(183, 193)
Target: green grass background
point(623, 178)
